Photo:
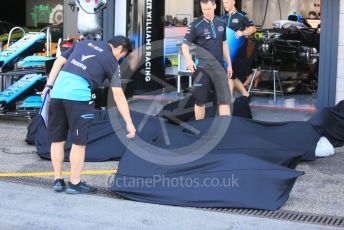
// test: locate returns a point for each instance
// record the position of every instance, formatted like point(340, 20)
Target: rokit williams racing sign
point(153, 42)
point(148, 53)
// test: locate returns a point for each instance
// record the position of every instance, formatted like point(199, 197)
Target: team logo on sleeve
point(248, 17)
point(189, 29)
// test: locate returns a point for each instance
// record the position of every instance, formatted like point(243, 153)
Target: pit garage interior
point(287, 42)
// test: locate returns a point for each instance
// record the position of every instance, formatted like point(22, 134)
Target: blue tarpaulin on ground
point(256, 160)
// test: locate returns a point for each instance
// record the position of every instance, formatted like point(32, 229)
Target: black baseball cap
point(123, 41)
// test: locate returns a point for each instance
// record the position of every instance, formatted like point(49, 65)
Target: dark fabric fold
point(221, 180)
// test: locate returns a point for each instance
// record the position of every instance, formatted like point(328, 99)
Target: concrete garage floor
point(319, 191)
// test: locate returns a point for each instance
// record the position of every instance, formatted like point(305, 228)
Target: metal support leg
point(190, 81)
point(3, 82)
point(274, 77)
point(178, 84)
point(279, 82)
point(252, 80)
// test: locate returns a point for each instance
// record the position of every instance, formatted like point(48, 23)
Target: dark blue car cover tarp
point(249, 136)
point(262, 159)
point(279, 143)
point(255, 159)
point(220, 180)
point(259, 158)
point(251, 153)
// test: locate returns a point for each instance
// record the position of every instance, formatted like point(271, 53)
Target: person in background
point(238, 21)
point(257, 79)
point(208, 32)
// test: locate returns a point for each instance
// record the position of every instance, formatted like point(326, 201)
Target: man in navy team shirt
point(209, 34)
point(74, 74)
point(238, 21)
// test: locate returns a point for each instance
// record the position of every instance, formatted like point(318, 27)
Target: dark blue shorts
point(211, 81)
point(75, 116)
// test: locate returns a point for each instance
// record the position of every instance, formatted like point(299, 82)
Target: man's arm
point(189, 38)
point(246, 32)
point(58, 64)
point(123, 109)
point(228, 59)
point(249, 30)
point(186, 52)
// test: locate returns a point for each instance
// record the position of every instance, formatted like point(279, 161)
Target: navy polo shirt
point(94, 61)
point(209, 35)
point(88, 64)
point(237, 20)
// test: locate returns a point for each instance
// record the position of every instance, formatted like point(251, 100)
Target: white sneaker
point(324, 148)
